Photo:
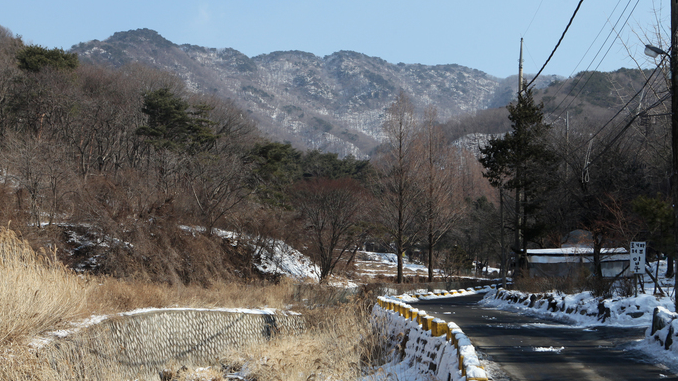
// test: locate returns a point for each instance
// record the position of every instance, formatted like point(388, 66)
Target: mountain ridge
point(333, 103)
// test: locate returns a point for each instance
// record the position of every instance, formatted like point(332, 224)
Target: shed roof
point(576, 251)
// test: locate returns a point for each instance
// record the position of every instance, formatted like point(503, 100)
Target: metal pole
point(674, 134)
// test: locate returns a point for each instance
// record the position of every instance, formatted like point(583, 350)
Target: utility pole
point(674, 134)
point(516, 239)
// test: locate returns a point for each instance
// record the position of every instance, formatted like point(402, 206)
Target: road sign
point(637, 251)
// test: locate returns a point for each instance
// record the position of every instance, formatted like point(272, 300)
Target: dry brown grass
point(339, 342)
point(112, 295)
point(39, 294)
point(575, 282)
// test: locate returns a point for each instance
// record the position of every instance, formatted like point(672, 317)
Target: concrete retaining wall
point(443, 349)
point(138, 346)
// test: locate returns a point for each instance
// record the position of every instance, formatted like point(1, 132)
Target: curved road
point(520, 347)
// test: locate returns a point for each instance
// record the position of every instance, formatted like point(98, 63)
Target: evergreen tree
point(523, 162)
point(175, 125)
point(33, 58)
point(657, 216)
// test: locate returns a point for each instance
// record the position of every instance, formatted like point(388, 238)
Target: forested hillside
point(334, 103)
point(111, 163)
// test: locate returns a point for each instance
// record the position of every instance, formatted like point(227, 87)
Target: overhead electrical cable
point(658, 102)
point(630, 122)
point(533, 17)
point(600, 130)
point(599, 62)
point(558, 44)
point(594, 57)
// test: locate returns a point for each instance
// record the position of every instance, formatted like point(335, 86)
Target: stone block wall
point(139, 346)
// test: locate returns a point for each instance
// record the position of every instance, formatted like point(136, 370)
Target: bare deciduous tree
point(41, 170)
point(440, 204)
point(397, 186)
point(217, 184)
point(331, 210)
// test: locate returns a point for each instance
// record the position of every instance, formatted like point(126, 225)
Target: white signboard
point(637, 251)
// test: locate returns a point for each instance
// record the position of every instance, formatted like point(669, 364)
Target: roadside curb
point(457, 358)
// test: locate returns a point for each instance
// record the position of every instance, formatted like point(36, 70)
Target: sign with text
point(637, 251)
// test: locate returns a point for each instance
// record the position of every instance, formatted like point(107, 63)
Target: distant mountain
point(334, 103)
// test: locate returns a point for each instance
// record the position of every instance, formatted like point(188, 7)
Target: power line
point(533, 17)
point(650, 77)
point(630, 122)
point(558, 44)
point(592, 61)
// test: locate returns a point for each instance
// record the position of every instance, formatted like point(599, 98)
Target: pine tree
point(33, 58)
point(523, 162)
point(175, 125)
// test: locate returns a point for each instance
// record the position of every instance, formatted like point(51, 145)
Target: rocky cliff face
point(334, 103)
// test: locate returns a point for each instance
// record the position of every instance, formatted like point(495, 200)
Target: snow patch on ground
point(423, 294)
point(582, 309)
point(414, 362)
point(549, 349)
point(275, 256)
point(413, 353)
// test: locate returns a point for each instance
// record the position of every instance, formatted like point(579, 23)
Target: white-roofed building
point(576, 254)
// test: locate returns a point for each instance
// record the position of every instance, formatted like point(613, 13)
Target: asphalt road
point(518, 347)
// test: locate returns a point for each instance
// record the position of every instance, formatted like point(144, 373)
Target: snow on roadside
point(422, 352)
point(662, 344)
point(585, 310)
point(423, 294)
point(581, 309)
point(413, 353)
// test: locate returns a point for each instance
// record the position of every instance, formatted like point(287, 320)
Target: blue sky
point(481, 34)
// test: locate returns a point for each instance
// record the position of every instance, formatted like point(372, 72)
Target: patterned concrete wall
point(140, 345)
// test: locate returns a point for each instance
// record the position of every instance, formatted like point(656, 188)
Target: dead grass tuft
point(338, 344)
point(113, 295)
point(37, 292)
